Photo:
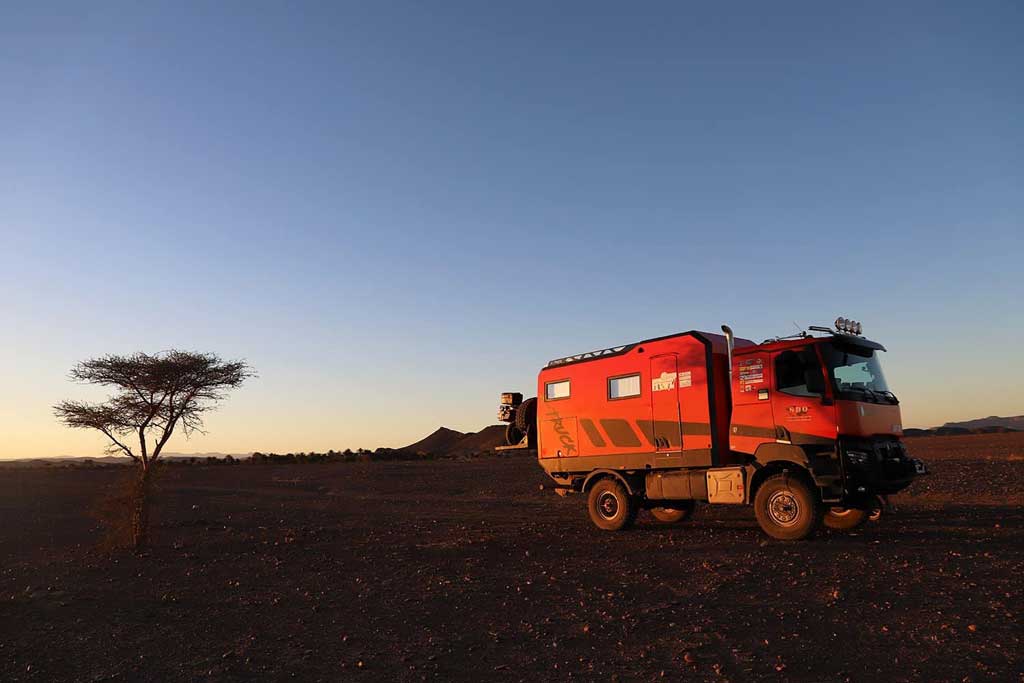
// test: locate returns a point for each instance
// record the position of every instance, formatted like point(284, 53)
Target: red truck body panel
point(648, 404)
point(661, 403)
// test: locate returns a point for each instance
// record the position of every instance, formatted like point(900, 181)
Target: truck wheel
point(512, 435)
point(787, 508)
point(845, 519)
point(878, 506)
point(673, 515)
point(526, 420)
point(610, 505)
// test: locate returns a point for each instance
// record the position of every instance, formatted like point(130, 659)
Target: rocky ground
point(468, 570)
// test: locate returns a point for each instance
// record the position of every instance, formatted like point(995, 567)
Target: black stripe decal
point(620, 433)
point(758, 432)
point(696, 429)
point(628, 461)
point(591, 430)
point(647, 429)
point(770, 433)
point(810, 439)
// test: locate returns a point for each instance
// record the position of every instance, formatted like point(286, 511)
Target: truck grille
point(894, 460)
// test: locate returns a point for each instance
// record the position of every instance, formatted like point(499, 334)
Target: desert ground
point(467, 569)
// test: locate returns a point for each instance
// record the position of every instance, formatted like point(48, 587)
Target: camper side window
point(623, 387)
point(556, 390)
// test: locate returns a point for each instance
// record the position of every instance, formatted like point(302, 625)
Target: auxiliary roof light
point(849, 326)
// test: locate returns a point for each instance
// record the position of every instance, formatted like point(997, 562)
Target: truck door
point(665, 404)
point(802, 412)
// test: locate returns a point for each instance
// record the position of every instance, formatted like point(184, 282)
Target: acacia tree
point(154, 395)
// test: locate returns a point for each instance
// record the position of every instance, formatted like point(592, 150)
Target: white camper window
point(556, 390)
point(623, 387)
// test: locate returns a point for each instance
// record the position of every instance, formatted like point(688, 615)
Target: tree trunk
point(140, 510)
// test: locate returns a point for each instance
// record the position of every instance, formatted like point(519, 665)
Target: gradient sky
point(397, 211)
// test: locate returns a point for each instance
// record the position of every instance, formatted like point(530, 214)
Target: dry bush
point(117, 510)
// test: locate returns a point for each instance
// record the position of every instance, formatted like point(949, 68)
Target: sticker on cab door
point(751, 373)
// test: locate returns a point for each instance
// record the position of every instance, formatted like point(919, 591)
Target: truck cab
point(822, 404)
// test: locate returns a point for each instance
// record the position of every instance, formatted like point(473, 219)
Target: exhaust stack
point(729, 344)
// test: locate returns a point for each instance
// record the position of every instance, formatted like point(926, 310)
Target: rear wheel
point(673, 515)
point(845, 519)
point(610, 506)
point(787, 508)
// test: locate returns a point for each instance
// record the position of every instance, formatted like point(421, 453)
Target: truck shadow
point(995, 525)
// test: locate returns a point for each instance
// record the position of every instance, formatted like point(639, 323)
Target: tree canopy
point(153, 396)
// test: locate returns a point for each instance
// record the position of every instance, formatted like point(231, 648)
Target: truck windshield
point(856, 370)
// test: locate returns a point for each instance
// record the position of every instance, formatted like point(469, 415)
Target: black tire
point(526, 420)
point(610, 506)
point(680, 512)
point(512, 435)
point(787, 508)
point(877, 509)
point(845, 519)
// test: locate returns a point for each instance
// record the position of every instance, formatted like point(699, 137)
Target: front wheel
point(610, 506)
point(673, 515)
point(787, 508)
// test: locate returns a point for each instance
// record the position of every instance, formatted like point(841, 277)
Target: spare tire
point(526, 414)
point(526, 420)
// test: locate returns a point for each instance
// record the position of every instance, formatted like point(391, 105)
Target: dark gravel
point(467, 570)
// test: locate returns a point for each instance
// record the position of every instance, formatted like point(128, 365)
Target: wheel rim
point(608, 505)
point(783, 508)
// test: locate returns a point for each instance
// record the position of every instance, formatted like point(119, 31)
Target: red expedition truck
point(804, 428)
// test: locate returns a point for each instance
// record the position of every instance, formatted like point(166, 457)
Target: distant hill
point(1015, 423)
point(447, 442)
point(484, 440)
point(435, 443)
point(984, 425)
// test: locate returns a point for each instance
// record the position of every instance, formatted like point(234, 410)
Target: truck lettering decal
point(563, 434)
point(667, 381)
point(798, 413)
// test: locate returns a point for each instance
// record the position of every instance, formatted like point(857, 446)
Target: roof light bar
point(847, 326)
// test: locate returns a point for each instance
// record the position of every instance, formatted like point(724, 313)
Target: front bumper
point(877, 467)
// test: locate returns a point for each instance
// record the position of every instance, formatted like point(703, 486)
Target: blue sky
point(396, 211)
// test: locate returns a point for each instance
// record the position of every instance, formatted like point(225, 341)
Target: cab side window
point(798, 373)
